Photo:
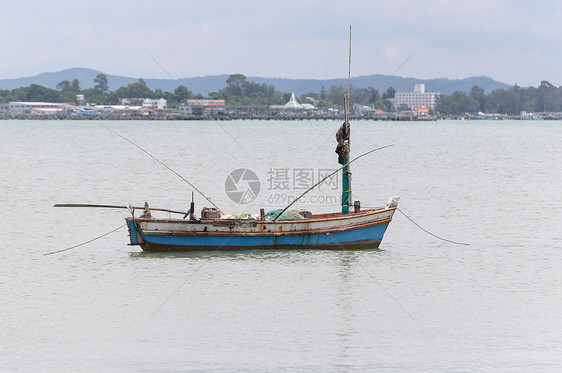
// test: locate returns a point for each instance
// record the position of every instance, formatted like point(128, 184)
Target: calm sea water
point(417, 304)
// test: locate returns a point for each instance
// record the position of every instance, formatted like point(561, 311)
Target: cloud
point(513, 41)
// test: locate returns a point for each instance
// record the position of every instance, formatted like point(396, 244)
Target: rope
point(348, 196)
point(428, 232)
point(375, 280)
point(217, 248)
point(82, 244)
point(179, 85)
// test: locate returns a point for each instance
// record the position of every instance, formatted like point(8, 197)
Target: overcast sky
point(515, 42)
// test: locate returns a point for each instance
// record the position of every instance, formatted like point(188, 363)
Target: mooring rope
point(84, 243)
point(374, 280)
point(428, 232)
point(217, 248)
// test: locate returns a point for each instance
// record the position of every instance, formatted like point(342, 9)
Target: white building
point(293, 104)
point(147, 103)
point(202, 107)
point(417, 99)
point(36, 107)
point(159, 104)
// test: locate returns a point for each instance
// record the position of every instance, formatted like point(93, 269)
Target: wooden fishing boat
point(350, 228)
point(278, 229)
point(358, 229)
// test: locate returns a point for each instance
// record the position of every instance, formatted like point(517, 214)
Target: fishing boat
point(278, 229)
point(356, 229)
point(352, 227)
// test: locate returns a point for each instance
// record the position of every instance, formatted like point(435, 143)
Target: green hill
point(205, 84)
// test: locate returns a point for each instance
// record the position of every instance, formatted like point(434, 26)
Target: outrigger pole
point(165, 165)
point(130, 208)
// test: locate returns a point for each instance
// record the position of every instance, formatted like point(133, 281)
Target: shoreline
point(215, 117)
point(404, 118)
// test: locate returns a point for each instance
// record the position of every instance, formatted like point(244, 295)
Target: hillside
point(206, 84)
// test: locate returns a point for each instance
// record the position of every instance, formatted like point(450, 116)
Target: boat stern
point(134, 233)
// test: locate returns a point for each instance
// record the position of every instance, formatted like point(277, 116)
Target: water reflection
point(345, 255)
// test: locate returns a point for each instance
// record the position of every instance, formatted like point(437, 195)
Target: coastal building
point(202, 107)
point(293, 104)
point(147, 103)
point(159, 103)
point(80, 99)
point(19, 108)
point(416, 99)
point(132, 101)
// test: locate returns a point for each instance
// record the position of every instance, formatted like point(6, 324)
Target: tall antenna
point(346, 171)
point(348, 77)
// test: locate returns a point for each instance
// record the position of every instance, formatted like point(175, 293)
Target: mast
point(346, 171)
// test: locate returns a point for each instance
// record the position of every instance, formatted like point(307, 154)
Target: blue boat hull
point(361, 237)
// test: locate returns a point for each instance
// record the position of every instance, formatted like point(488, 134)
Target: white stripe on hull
point(233, 226)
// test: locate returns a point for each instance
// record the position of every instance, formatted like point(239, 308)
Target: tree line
point(239, 91)
point(512, 101)
point(67, 91)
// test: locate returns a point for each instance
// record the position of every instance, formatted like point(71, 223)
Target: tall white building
point(417, 99)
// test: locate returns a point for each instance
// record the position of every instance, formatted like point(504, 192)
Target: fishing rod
point(327, 177)
point(179, 85)
point(165, 165)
